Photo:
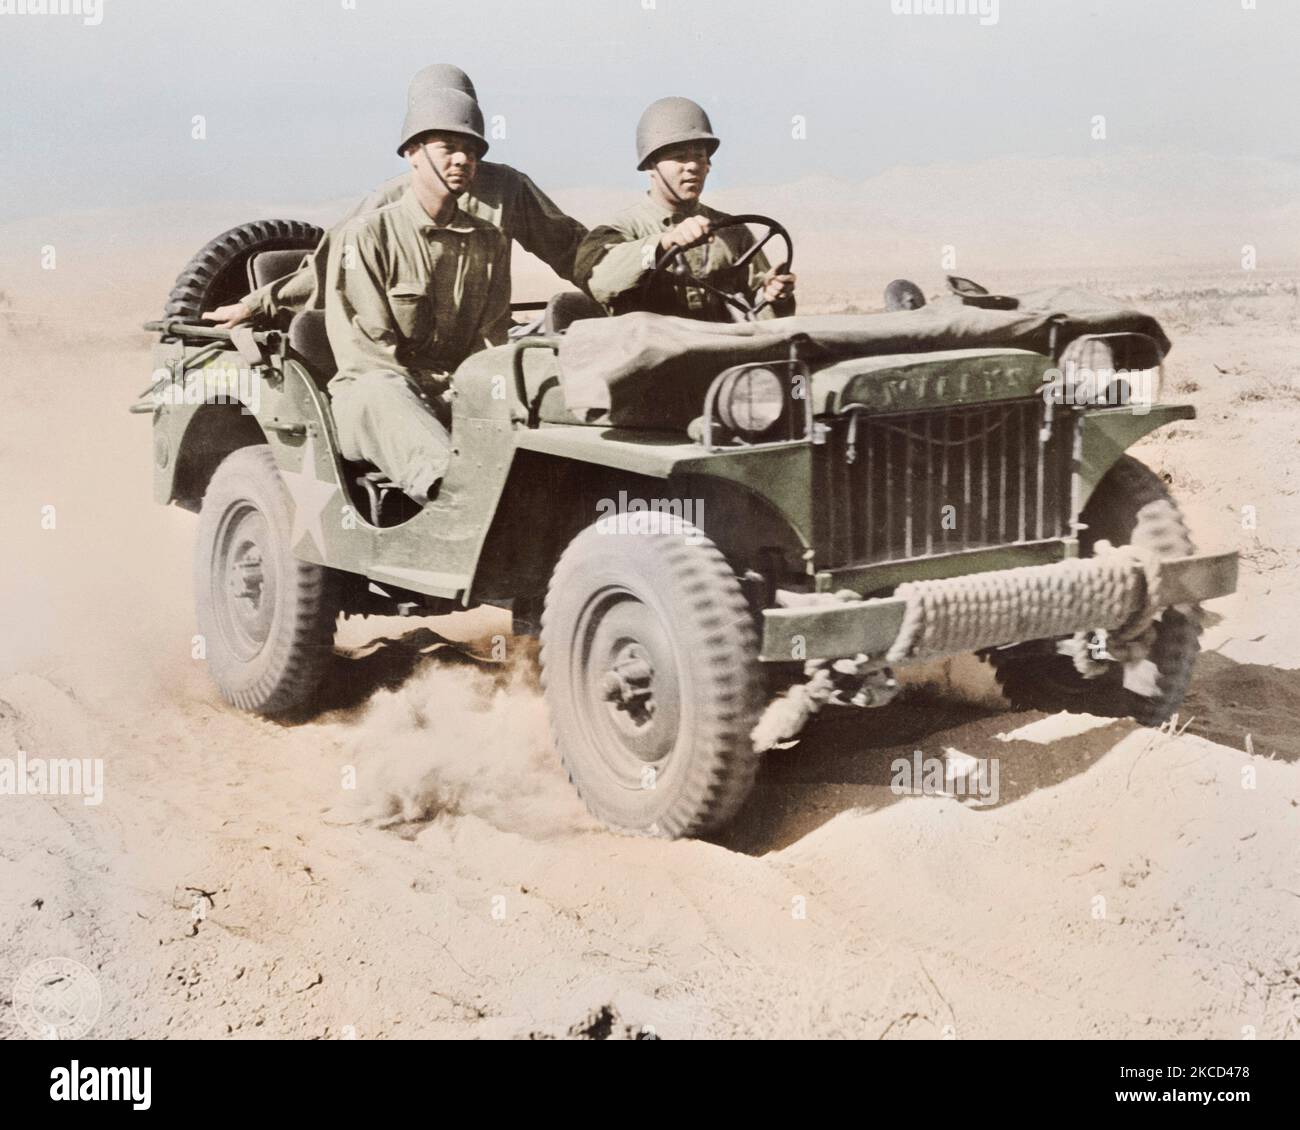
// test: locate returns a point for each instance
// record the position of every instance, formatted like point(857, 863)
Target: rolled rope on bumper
point(1115, 591)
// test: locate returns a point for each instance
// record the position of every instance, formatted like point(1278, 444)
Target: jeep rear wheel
point(1131, 506)
point(651, 676)
point(267, 618)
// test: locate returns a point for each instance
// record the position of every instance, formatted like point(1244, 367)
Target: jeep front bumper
point(935, 618)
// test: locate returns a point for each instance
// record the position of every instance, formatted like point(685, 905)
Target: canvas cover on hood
point(618, 369)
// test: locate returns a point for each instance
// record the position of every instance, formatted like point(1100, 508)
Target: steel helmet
point(669, 121)
point(450, 111)
point(440, 76)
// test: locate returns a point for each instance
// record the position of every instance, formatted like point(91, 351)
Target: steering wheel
point(671, 267)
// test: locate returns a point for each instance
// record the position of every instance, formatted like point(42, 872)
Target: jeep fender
point(1106, 434)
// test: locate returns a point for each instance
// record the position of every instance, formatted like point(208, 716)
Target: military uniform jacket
point(616, 260)
point(410, 296)
point(502, 196)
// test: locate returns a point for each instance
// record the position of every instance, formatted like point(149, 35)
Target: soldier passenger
point(411, 289)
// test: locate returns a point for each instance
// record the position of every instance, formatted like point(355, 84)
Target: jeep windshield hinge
point(531, 416)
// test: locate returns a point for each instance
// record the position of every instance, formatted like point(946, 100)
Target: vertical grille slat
point(841, 479)
point(944, 498)
point(985, 445)
point(928, 489)
point(908, 512)
point(963, 519)
point(1040, 463)
point(868, 534)
point(889, 492)
point(986, 459)
point(1002, 480)
point(1026, 425)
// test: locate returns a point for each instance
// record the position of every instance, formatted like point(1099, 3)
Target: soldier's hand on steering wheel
point(777, 286)
point(671, 266)
point(691, 230)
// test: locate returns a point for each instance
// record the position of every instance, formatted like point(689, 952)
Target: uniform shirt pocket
point(412, 310)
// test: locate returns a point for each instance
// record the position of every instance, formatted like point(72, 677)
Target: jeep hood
point(904, 382)
point(643, 370)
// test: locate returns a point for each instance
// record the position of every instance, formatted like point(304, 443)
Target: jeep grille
point(888, 477)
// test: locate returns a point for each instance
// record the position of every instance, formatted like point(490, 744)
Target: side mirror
point(965, 288)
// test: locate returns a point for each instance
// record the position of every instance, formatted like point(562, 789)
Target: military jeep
point(718, 530)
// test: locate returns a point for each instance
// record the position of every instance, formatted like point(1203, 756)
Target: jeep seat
point(367, 487)
point(566, 307)
point(268, 266)
point(307, 338)
point(306, 330)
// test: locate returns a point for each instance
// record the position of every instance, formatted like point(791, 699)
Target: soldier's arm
point(298, 291)
point(612, 261)
point(293, 292)
point(543, 229)
point(358, 320)
point(494, 326)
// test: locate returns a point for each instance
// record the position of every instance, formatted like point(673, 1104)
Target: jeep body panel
point(1106, 433)
point(434, 553)
point(438, 552)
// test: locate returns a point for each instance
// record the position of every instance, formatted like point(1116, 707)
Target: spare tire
point(218, 274)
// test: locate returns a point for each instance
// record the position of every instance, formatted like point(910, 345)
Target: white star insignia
point(310, 497)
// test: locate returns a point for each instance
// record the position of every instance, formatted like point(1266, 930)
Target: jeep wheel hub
point(631, 699)
point(246, 587)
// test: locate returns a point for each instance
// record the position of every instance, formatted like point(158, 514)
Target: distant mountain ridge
point(1124, 212)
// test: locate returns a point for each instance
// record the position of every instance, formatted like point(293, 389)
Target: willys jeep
point(720, 530)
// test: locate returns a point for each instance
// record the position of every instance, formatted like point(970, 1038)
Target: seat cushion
point(308, 339)
point(566, 307)
point(267, 266)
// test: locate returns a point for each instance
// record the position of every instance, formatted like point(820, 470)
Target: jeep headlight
point(1109, 371)
point(750, 400)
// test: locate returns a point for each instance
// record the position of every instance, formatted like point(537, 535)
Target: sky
point(303, 99)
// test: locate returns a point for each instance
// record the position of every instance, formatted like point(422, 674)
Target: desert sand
point(230, 885)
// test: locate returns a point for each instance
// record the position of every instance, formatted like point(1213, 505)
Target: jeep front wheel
point(1131, 506)
point(267, 619)
point(651, 676)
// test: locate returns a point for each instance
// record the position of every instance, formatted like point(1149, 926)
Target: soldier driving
point(616, 262)
point(501, 195)
point(412, 288)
